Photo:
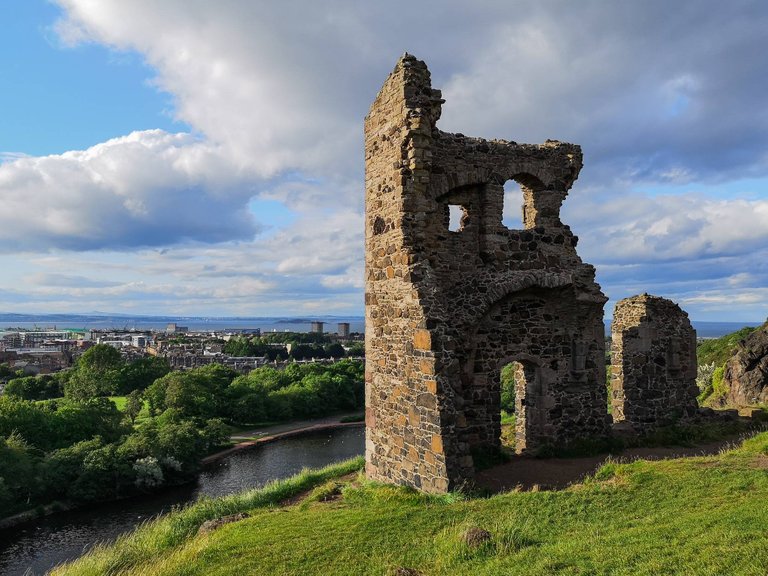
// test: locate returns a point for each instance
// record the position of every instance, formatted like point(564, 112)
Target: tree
point(508, 388)
point(33, 421)
point(141, 373)
point(6, 371)
point(62, 467)
point(76, 421)
point(18, 463)
point(334, 350)
point(133, 405)
point(356, 350)
point(97, 374)
point(34, 387)
point(104, 475)
point(198, 393)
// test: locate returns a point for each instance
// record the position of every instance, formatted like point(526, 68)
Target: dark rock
point(476, 537)
point(210, 525)
point(746, 372)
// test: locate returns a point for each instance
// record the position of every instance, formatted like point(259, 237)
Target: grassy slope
point(694, 516)
point(719, 350)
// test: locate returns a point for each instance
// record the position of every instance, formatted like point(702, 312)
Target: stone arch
point(558, 343)
point(443, 309)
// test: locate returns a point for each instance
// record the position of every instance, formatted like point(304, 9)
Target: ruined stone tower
point(653, 367)
point(445, 310)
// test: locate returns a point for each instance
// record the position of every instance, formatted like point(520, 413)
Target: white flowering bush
point(704, 375)
point(171, 463)
point(149, 474)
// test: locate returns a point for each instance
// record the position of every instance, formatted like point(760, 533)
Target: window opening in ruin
point(456, 216)
point(512, 215)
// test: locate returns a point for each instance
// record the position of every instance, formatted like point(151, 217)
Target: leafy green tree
point(181, 441)
point(198, 393)
point(133, 405)
point(18, 463)
point(508, 388)
point(215, 433)
point(62, 467)
point(141, 373)
point(104, 475)
point(34, 387)
point(77, 421)
point(356, 350)
point(33, 421)
point(97, 373)
point(334, 350)
point(6, 371)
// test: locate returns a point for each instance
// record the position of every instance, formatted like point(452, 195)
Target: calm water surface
point(36, 547)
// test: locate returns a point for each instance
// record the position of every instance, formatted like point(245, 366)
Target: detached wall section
point(653, 370)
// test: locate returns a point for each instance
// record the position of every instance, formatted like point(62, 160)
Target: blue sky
point(200, 158)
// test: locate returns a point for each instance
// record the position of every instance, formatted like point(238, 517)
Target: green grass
point(700, 516)
point(156, 538)
point(719, 350)
point(120, 402)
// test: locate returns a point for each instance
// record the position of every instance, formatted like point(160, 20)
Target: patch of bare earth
point(528, 473)
point(760, 462)
point(299, 498)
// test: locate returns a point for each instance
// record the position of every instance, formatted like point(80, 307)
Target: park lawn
point(703, 516)
point(120, 403)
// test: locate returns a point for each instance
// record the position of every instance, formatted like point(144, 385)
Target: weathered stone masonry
point(653, 363)
point(446, 310)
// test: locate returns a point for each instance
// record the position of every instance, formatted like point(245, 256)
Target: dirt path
point(556, 473)
point(272, 433)
point(289, 427)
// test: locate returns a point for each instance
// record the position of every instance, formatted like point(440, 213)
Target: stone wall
point(446, 310)
point(653, 366)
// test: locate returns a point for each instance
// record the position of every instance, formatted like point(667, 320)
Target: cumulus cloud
point(275, 94)
point(149, 188)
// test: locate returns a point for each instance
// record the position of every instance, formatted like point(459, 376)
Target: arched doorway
point(523, 417)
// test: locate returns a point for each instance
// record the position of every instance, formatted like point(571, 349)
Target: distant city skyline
point(192, 158)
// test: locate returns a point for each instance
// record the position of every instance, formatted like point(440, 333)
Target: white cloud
point(146, 189)
point(276, 92)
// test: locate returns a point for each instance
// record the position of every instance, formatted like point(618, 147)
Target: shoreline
point(63, 506)
point(210, 459)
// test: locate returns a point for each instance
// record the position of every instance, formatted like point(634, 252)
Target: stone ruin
point(653, 363)
point(446, 310)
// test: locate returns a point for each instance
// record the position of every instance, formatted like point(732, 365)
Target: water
point(42, 544)
point(265, 324)
point(159, 323)
point(707, 329)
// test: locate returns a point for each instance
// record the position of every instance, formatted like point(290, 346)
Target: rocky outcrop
point(746, 373)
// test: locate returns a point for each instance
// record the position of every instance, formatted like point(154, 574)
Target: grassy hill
point(702, 516)
point(719, 350)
